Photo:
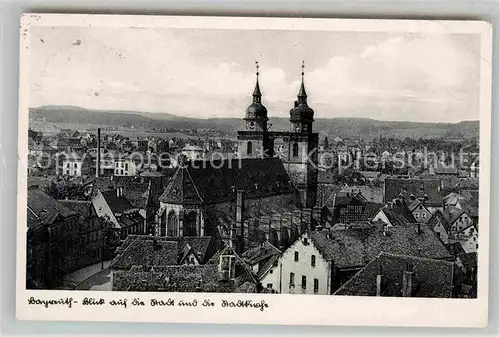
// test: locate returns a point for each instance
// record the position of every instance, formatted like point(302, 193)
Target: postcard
point(241, 170)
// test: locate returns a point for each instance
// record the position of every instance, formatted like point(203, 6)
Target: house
point(438, 222)
point(370, 193)
point(468, 238)
point(321, 261)
point(192, 152)
point(474, 169)
point(457, 218)
point(91, 233)
point(226, 272)
point(395, 213)
point(263, 260)
point(124, 218)
point(391, 275)
point(152, 250)
point(410, 189)
point(125, 167)
point(420, 212)
point(353, 209)
point(53, 247)
point(74, 164)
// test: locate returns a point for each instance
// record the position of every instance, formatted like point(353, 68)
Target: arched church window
point(163, 224)
point(172, 224)
point(189, 224)
point(295, 150)
point(249, 148)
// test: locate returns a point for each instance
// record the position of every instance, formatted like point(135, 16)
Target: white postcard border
point(282, 309)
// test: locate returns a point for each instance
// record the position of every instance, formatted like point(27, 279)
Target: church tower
point(254, 142)
point(301, 159)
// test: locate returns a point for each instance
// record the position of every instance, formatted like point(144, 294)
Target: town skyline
point(382, 76)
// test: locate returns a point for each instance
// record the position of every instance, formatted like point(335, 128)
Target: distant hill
point(343, 127)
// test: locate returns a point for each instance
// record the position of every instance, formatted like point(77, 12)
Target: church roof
point(216, 181)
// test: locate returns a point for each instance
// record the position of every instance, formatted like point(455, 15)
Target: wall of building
point(302, 267)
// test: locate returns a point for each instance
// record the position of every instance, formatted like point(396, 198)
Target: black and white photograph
point(255, 160)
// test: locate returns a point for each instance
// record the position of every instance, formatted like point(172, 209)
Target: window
point(295, 150)
point(438, 235)
point(269, 286)
point(296, 256)
point(292, 279)
point(304, 282)
point(477, 246)
point(227, 267)
point(424, 215)
point(313, 260)
point(316, 285)
point(270, 271)
point(67, 165)
point(416, 215)
point(249, 148)
point(126, 166)
point(121, 171)
point(67, 171)
point(76, 165)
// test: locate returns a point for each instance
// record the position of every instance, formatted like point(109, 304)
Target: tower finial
point(303, 66)
point(257, 68)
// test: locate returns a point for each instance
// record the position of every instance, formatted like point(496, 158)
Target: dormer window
point(227, 267)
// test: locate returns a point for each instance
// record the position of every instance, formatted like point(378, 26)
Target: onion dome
point(256, 110)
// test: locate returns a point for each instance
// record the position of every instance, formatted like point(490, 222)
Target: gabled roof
point(82, 207)
point(398, 214)
point(356, 247)
point(216, 181)
point(202, 246)
point(43, 210)
point(259, 253)
point(438, 217)
point(118, 205)
point(150, 252)
point(185, 278)
point(431, 278)
point(430, 188)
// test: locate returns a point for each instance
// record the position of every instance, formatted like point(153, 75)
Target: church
point(267, 193)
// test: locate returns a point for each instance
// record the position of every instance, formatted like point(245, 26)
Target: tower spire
point(256, 93)
point(302, 92)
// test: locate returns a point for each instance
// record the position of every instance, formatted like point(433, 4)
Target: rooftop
point(431, 278)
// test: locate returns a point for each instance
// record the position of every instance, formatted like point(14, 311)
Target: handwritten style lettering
point(245, 304)
point(63, 301)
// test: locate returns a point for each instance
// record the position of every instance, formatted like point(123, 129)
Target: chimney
point(118, 192)
point(239, 218)
point(98, 163)
point(379, 281)
point(419, 230)
point(407, 280)
point(262, 250)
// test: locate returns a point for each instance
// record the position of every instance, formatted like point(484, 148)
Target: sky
point(211, 73)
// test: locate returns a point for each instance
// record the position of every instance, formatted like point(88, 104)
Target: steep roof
point(259, 253)
point(150, 252)
point(356, 247)
point(431, 278)
point(117, 204)
point(44, 210)
point(202, 246)
point(438, 217)
point(82, 207)
point(216, 181)
point(184, 278)
point(399, 214)
point(430, 188)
